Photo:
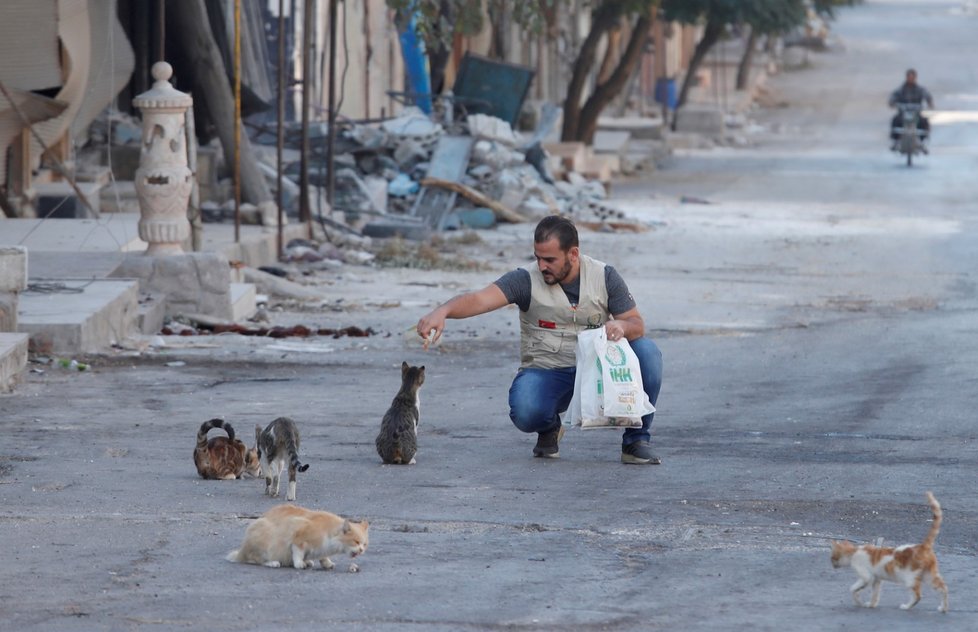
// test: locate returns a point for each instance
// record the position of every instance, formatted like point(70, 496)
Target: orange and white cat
point(288, 535)
point(909, 564)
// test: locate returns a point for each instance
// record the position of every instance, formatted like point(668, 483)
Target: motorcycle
point(910, 141)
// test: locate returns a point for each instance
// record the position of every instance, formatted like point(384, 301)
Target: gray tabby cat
point(398, 438)
point(278, 447)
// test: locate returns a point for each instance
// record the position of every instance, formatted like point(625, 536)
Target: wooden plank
point(501, 212)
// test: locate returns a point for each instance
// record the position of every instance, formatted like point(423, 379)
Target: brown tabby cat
point(397, 441)
point(288, 535)
point(278, 447)
point(909, 564)
point(223, 458)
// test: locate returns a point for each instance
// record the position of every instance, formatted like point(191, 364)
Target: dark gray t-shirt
point(516, 287)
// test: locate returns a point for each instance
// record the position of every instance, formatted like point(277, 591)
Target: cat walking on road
point(909, 564)
point(278, 449)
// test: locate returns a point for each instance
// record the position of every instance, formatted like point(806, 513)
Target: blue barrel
point(665, 92)
point(416, 65)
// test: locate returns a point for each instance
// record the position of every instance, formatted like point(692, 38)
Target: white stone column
point(163, 180)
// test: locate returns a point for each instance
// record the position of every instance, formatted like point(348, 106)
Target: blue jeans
point(537, 396)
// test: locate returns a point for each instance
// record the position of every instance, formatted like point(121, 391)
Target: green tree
point(441, 20)
point(581, 120)
point(766, 17)
point(776, 17)
point(715, 15)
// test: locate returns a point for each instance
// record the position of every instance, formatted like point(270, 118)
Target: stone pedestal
point(13, 280)
point(163, 180)
point(192, 283)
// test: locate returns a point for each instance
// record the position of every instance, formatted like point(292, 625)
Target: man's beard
point(559, 276)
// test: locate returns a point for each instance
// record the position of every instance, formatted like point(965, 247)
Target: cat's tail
point(234, 556)
point(935, 528)
point(296, 463)
point(209, 425)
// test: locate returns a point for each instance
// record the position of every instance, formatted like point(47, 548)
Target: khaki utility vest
point(548, 330)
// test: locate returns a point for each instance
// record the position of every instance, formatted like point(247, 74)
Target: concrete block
point(700, 119)
point(213, 270)
point(639, 127)
point(243, 301)
point(601, 168)
point(195, 282)
point(172, 274)
point(151, 314)
point(8, 311)
point(611, 142)
point(572, 154)
point(13, 359)
point(89, 319)
point(13, 268)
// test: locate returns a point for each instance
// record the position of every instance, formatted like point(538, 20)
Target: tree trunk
point(743, 70)
point(437, 62)
point(605, 92)
point(439, 54)
point(711, 35)
point(604, 20)
point(211, 81)
point(612, 54)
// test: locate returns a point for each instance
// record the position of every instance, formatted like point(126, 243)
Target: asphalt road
point(817, 321)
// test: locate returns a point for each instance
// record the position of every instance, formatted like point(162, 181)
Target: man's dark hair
point(556, 226)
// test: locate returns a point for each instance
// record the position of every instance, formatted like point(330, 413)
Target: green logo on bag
point(615, 355)
point(620, 375)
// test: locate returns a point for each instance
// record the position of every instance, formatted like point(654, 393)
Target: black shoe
point(546, 446)
point(639, 453)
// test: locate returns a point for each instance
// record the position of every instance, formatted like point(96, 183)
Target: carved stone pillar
point(163, 180)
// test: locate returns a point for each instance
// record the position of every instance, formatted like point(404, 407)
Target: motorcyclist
point(913, 93)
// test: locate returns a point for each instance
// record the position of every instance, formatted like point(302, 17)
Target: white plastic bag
point(608, 390)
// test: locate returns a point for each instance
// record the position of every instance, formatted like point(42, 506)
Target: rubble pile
point(392, 160)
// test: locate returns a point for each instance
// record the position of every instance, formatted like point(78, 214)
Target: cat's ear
point(421, 375)
point(346, 526)
point(404, 368)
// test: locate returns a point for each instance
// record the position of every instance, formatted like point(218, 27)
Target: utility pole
point(305, 213)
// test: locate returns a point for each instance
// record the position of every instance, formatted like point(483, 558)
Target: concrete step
point(79, 315)
point(13, 359)
point(243, 303)
point(151, 314)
